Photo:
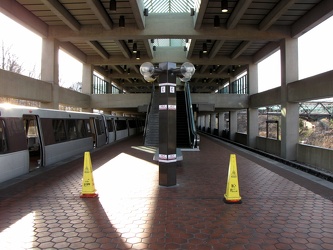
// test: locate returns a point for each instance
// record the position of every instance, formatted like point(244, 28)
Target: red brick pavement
point(279, 209)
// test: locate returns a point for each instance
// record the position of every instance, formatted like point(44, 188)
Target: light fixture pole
point(167, 152)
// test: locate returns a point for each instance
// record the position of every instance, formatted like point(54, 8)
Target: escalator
point(151, 132)
point(183, 140)
point(186, 132)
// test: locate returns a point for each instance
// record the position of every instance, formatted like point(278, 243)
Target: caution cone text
point(232, 192)
point(88, 186)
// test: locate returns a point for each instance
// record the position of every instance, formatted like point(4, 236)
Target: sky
point(18, 38)
point(312, 59)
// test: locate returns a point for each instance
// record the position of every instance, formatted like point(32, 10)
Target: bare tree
point(76, 86)
point(10, 61)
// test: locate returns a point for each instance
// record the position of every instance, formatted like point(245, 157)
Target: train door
point(34, 141)
point(98, 131)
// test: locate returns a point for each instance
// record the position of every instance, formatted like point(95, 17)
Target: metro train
point(33, 137)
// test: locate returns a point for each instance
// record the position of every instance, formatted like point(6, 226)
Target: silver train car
point(32, 137)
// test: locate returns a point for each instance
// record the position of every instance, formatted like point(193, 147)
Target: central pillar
point(167, 157)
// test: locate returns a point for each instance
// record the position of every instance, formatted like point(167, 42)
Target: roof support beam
point(123, 47)
point(275, 13)
point(176, 55)
point(173, 31)
point(216, 48)
point(266, 51)
point(190, 48)
point(199, 14)
point(24, 17)
point(99, 49)
point(317, 15)
point(60, 11)
point(240, 49)
point(149, 47)
point(237, 13)
point(137, 8)
point(99, 11)
point(73, 51)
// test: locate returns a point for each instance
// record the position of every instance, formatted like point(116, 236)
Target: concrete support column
point(252, 113)
point(201, 120)
point(212, 122)
point(50, 70)
point(87, 78)
point(87, 81)
point(289, 111)
point(222, 123)
point(207, 122)
point(232, 124)
point(167, 125)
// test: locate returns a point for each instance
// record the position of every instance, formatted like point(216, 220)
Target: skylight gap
point(171, 6)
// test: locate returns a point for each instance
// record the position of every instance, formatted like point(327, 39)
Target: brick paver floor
point(279, 210)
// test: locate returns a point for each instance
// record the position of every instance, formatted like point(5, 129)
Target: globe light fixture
point(147, 70)
point(187, 69)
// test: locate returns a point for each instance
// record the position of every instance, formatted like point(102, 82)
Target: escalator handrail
point(191, 124)
point(148, 110)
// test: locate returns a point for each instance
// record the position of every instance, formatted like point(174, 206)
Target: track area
point(281, 209)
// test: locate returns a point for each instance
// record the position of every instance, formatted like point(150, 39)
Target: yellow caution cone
point(88, 186)
point(232, 192)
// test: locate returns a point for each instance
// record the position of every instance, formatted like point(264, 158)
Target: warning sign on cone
point(88, 186)
point(232, 191)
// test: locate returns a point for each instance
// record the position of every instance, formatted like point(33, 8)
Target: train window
point(16, 139)
point(3, 140)
point(71, 130)
point(121, 125)
point(81, 129)
point(59, 130)
point(99, 127)
point(32, 130)
point(132, 123)
point(110, 125)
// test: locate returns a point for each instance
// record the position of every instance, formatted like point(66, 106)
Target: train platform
point(281, 208)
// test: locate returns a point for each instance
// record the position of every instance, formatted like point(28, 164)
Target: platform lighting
point(135, 48)
point(224, 6)
point(137, 55)
point(204, 47)
point(113, 5)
